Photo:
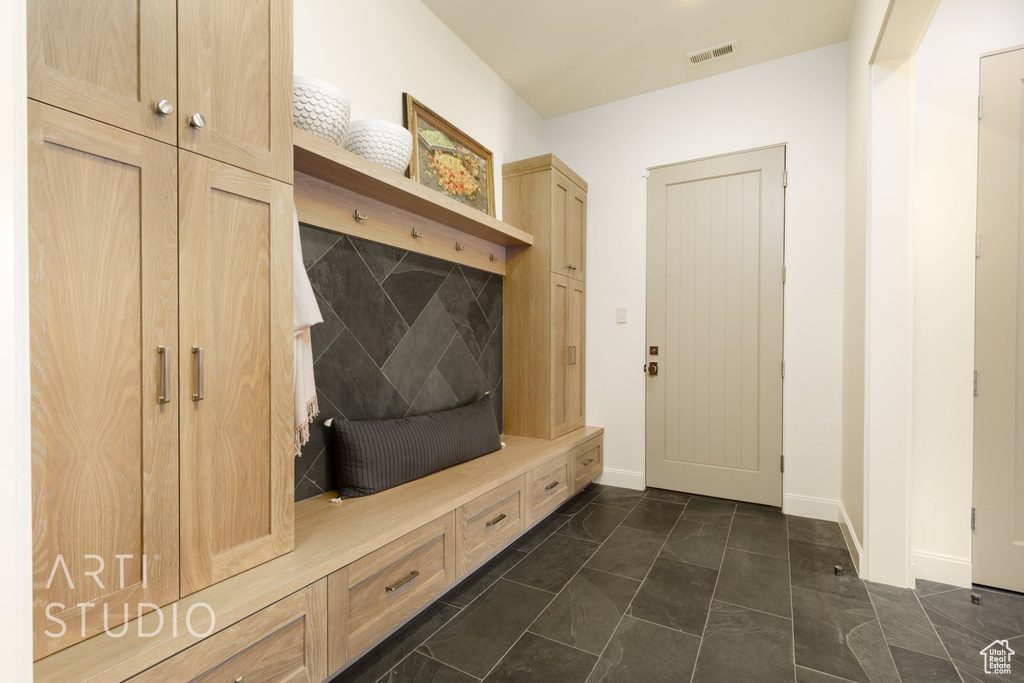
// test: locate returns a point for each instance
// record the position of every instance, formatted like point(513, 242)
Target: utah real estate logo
point(997, 657)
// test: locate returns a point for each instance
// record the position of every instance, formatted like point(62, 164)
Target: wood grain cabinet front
point(285, 642)
point(375, 595)
point(547, 487)
point(587, 462)
point(488, 523)
point(235, 83)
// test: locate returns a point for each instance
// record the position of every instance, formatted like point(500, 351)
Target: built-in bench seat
point(364, 566)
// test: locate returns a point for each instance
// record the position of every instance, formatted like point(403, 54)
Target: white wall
point(15, 482)
point(375, 51)
point(945, 209)
point(798, 100)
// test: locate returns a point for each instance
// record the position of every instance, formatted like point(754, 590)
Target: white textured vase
point(320, 108)
point(382, 142)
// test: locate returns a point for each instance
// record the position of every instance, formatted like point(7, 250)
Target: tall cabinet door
point(577, 233)
point(235, 82)
point(576, 322)
point(235, 362)
point(103, 334)
point(112, 61)
point(561, 224)
point(561, 300)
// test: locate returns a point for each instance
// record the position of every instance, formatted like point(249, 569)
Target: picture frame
point(447, 160)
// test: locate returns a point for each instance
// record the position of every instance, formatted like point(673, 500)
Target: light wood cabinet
point(545, 295)
point(235, 73)
point(487, 524)
point(235, 361)
point(373, 596)
point(111, 62)
point(587, 462)
point(103, 335)
point(285, 642)
point(547, 487)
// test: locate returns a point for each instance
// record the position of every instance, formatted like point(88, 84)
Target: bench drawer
point(588, 462)
point(488, 523)
point(547, 487)
point(286, 641)
point(373, 596)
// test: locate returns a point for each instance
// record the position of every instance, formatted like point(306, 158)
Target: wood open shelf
point(336, 166)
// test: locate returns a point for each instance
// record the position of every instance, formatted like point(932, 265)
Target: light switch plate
point(621, 314)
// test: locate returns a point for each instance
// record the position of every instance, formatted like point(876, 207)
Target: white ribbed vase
point(382, 142)
point(320, 108)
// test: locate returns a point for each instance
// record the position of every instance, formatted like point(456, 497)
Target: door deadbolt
point(652, 369)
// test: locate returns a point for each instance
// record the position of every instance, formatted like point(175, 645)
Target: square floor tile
point(653, 515)
point(628, 552)
point(646, 653)
point(744, 645)
point(538, 659)
point(696, 543)
point(586, 612)
point(676, 594)
point(553, 563)
point(756, 581)
point(764, 535)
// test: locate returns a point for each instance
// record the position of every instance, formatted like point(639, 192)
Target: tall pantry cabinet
point(160, 237)
point(545, 294)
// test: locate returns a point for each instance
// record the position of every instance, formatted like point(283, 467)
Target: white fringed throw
point(307, 314)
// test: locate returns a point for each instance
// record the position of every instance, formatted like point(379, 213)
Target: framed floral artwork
point(447, 160)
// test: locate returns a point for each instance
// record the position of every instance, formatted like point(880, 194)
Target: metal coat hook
point(360, 216)
point(416, 234)
point(459, 247)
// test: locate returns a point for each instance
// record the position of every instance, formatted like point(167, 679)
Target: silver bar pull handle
point(197, 354)
point(395, 586)
point(164, 395)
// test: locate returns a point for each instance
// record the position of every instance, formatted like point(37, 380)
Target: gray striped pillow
point(374, 455)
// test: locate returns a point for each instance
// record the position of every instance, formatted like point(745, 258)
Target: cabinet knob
point(163, 108)
point(196, 120)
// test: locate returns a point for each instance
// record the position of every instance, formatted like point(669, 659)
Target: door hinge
point(975, 382)
point(782, 463)
point(783, 274)
point(981, 106)
point(785, 178)
point(645, 173)
point(783, 369)
point(977, 244)
point(974, 518)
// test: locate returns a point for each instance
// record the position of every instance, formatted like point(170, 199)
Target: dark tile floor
point(628, 586)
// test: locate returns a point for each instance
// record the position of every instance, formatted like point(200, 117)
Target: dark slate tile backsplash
point(403, 334)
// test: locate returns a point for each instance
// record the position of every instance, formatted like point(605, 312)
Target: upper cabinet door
point(103, 333)
point(112, 61)
point(235, 360)
point(235, 83)
point(561, 224)
point(577, 237)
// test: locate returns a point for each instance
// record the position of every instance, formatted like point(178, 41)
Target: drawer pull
point(588, 462)
point(551, 486)
point(412, 575)
point(497, 520)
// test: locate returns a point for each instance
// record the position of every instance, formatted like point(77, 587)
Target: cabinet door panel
point(236, 72)
point(236, 305)
point(577, 369)
point(111, 63)
point(103, 297)
point(561, 224)
point(560, 303)
point(578, 233)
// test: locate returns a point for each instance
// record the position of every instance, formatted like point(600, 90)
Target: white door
point(999, 328)
point(715, 231)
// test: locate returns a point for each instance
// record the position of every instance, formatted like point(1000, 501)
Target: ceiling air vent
point(716, 52)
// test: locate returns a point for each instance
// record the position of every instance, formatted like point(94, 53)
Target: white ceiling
point(562, 56)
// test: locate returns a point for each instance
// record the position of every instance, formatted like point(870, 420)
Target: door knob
point(196, 120)
point(652, 369)
point(164, 108)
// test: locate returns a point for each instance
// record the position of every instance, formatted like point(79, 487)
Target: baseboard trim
point(852, 542)
point(625, 478)
point(815, 508)
point(955, 571)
